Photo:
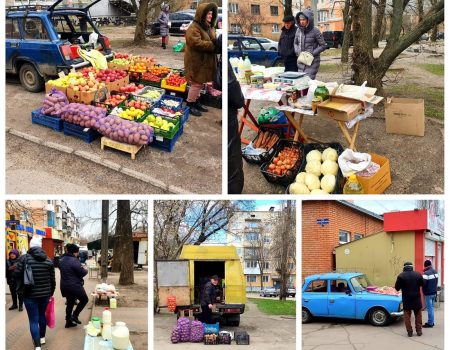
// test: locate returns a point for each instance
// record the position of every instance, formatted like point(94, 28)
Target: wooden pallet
point(124, 147)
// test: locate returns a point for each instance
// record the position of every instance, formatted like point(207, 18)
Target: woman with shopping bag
point(35, 276)
point(308, 44)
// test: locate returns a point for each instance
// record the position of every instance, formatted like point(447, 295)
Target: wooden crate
point(124, 147)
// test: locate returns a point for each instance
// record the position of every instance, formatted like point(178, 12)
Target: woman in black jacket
point(36, 297)
point(11, 265)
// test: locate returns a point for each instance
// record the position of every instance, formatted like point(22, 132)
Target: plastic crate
point(211, 328)
point(242, 338)
point(150, 88)
point(49, 121)
point(181, 88)
point(86, 134)
point(211, 101)
point(321, 147)
point(210, 342)
point(166, 144)
point(151, 83)
point(263, 157)
point(171, 98)
point(289, 176)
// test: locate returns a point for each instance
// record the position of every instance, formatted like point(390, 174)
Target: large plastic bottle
point(352, 186)
point(106, 315)
point(247, 64)
point(234, 61)
point(241, 68)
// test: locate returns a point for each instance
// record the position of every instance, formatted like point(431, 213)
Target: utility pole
point(314, 10)
point(104, 241)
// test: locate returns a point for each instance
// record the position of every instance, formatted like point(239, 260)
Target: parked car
point(269, 292)
point(344, 295)
point(269, 44)
point(38, 42)
point(424, 37)
point(291, 292)
point(335, 38)
point(241, 46)
point(184, 27)
point(176, 19)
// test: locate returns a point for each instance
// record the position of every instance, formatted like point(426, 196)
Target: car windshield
point(360, 283)
point(72, 24)
point(75, 4)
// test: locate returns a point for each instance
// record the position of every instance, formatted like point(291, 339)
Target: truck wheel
point(378, 317)
point(30, 78)
point(306, 316)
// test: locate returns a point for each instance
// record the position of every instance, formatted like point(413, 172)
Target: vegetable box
point(381, 180)
point(340, 108)
point(164, 143)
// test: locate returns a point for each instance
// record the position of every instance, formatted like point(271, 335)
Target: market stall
point(291, 158)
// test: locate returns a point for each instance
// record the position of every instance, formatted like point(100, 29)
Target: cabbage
point(313, 155)
point(328, 183)
point(329, 167)
point(330, 154)
point(313, 167)
point(312, 181)
point(298, 188)
point(300, 178)
point(318, 191)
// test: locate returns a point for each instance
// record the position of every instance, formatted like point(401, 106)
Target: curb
point(99, 160)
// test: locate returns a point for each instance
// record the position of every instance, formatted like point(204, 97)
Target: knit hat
point(14, 251)
point(36, 241)
point(407, 264)
point(72, 248)
point(215, 277)
point(427, 263)
point(289, 19)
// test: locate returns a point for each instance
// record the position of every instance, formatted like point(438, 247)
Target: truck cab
point(185, 278)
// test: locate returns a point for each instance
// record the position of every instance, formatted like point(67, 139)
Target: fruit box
point(80, 96)
point(340, 108)
point(166, 144)
point(49, 88)
point(112, 65)
point(181, 88)
point(381, 180)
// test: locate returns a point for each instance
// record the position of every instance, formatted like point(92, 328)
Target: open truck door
point(173, 278)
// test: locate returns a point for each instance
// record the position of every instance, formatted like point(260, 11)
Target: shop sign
point(323, 222)
point(40, 232)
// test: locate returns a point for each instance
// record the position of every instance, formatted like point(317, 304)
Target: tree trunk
point(433, 36)
point(139, 34)
point(347, 32)
point(420, 9)
point(378, 25)
point(287, 8)
point(125, 230)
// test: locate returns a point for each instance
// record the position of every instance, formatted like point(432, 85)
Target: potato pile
point(125, 131)
point(53, 103)
point(82, 115)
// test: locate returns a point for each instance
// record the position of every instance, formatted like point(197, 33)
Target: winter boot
point(70, 324)
point(200, 107)
point(37, 344)
point(20, 307)
point(164, 46)
point(75, 319)
point(193, 109)
point(13, 307)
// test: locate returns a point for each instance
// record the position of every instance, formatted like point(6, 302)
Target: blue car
point(242, 46)
point(38, 40)
point(345, 295)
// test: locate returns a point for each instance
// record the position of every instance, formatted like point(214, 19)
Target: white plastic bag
point(353, 162)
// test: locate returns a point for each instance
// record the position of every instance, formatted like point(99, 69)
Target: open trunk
point(203, 271)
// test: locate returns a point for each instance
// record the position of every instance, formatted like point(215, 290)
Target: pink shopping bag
point(50, 313)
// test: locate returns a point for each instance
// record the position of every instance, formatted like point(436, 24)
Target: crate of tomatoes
point(150, 79)
point(174, 82)
point(285, 163)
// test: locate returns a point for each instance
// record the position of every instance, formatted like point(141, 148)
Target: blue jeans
point(429, 302)
point(36, 316)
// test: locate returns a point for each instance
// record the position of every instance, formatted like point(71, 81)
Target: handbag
point(305, 58)
point(217, 82)
point(28, 279)
point(50, 313)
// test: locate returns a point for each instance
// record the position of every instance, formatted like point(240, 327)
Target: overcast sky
point(384, 206)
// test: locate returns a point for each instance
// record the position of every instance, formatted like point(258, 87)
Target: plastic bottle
point(113, 303)
point(352, 186)
point(120, 336)
point(247, 64)
point(234, 61)
point(106, 315)
point(241, 68)
point(106, 331)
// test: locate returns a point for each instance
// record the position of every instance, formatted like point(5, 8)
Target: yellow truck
point(185, 278)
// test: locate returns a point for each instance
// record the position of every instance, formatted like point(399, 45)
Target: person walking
point(163, 20)
point(71, 285)
point(430, 284)
point(409, 282)
point(200, 60)
point(286, 47)
point(208, 299)
point(11, 266)
point(308, 44)
point(36, 296)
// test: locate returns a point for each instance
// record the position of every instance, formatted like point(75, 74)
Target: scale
point(299, 79)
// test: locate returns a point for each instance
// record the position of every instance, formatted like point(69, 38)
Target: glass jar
point(321, 93)
point(120, 336)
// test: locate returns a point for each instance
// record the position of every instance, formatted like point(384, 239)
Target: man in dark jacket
point(208, 299)
point(11, 265)
point(72, 289)
point(409, 282)
point(286, 44)
point(430, 283)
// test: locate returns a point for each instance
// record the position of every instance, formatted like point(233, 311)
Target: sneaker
point(200, 107)
point(70, 324)
point(427, 325)
point(410, 333)
point(42, 341)
point(13, 307)
point(76, 320)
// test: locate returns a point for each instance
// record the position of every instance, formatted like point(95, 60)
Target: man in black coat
point(409, 282)
point(72, 289)
point(286, 44)
point(208, 298)
point(11, 265)
point(430, 284)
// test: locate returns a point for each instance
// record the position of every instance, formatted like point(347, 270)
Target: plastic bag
point(50, 313)
point(178, 47)
point(54, 102)
point(269, 115)
point(353, 162)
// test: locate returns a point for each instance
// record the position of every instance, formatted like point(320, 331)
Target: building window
point(251, 279)
point(322, 16)
point(256, 28)
point(251, 253)
point(251, 236)
point(357, 236)
point(344, 237)
point(274, 10)
point(233, 8)
point(255, 10)
point(275, 28)
point(266, 265)
point(265, 279)
point(291, 266)
point(251, 264)
point(267, 239)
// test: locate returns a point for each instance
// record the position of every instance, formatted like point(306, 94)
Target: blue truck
point(345, 295)
point(39, 40)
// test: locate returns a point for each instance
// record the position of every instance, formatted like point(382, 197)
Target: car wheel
point(273, 49)
point(306, 316)
point(278, 63)
point(378, 317)
point(30, 78)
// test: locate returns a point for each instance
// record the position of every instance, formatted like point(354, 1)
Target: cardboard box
point(405, 116)
point(381, 180)
point(80, 96)
point(49, 87)
point(340, 108)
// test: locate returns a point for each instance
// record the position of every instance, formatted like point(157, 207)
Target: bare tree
point(365, 66)
point(347, 31)
point(378, 23)
point(245, 19)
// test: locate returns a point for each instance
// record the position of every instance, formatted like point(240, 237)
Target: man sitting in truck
point(208, 298)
